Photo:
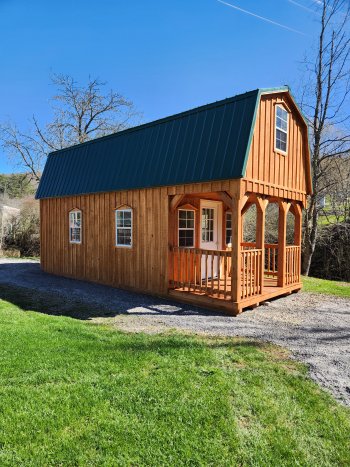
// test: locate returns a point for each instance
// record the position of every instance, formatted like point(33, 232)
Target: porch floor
point(217, 298)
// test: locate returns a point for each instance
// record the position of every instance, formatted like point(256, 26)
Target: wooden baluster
point(257, 269)
point(225, 276)
point(206, 271)
point(247, 274)
point(212, 272)
point(243, 274)
point(188, 266)
point(200, 271)
point(195, 258)
point(250, 272)
point(260, 271)
point(219, 272)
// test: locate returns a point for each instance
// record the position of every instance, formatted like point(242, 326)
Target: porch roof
point(207, 143)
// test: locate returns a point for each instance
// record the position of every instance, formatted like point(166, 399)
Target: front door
point(211, 235)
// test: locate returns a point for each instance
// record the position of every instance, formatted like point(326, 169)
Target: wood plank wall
point(145, 265)
point(286, 173)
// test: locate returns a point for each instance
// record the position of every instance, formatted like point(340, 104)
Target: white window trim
point(186, 228)
point(74, 211)
point(118, 245)
point(287, 132)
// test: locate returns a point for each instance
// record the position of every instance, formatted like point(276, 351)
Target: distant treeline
point(18, 185)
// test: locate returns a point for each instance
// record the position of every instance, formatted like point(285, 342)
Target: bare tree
point(337, 201)
point(80, 113)
point(325, 101)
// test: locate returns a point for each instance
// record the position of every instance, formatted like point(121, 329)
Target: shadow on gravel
point(54, 304)
point(25, 285)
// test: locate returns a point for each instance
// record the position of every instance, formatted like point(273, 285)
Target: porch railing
point(203, 271)
point(248, 246)
point(208, 272)
point(292, 264)
point(271, 259)
point(252, 282)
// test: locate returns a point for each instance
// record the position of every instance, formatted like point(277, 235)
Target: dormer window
point(281, 133)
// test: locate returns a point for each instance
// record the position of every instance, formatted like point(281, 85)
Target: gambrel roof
point(207, 143)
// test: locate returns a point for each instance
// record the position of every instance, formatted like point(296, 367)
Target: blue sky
point(166, 56)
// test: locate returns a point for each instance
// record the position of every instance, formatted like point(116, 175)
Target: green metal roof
point(207, 143)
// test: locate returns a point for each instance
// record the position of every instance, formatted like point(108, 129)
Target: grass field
point(73, 393)
point(312, 284)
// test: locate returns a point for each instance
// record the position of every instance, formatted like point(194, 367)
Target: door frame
point(208, 203)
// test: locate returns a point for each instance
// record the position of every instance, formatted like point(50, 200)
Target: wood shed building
point(159, 208)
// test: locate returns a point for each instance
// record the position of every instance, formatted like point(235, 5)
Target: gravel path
point(316, 328)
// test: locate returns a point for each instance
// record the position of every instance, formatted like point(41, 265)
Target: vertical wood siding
point(267, 165)
point(145, 265)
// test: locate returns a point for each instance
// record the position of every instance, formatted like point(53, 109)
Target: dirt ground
point(314, 327)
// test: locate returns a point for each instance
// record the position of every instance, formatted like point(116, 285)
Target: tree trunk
point(310, 235)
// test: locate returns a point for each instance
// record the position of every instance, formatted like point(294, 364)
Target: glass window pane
point(186, 228)
point(75, 221)
point(281, 129)
point(186, 238)
point(124, 227)
point(124, 236)
point(127, 222)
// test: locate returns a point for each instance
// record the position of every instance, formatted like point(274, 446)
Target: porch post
point(298, 233)
point(298, 224)
point(260, 236)
point(282, 242)
point(236, 249)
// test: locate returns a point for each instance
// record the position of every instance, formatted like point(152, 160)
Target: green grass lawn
point(74, 393)
point(312, 284)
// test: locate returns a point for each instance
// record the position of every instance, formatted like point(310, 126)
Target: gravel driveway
point(316, 328)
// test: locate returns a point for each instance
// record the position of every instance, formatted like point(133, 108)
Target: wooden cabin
point(160, 208)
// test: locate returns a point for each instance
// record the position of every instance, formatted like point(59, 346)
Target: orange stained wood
point(144, 266)
point(155, 260)
point(270, 171)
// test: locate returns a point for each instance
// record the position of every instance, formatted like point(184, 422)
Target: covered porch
point(218, 268)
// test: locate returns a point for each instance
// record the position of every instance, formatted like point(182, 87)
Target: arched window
point(75, 226)
point(123, 227)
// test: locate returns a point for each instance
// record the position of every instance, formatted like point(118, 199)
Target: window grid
point(207, 224)
point(75, 227)
point(281, 129)
point(186, 227)
point(228, 228)
point(123, 218)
